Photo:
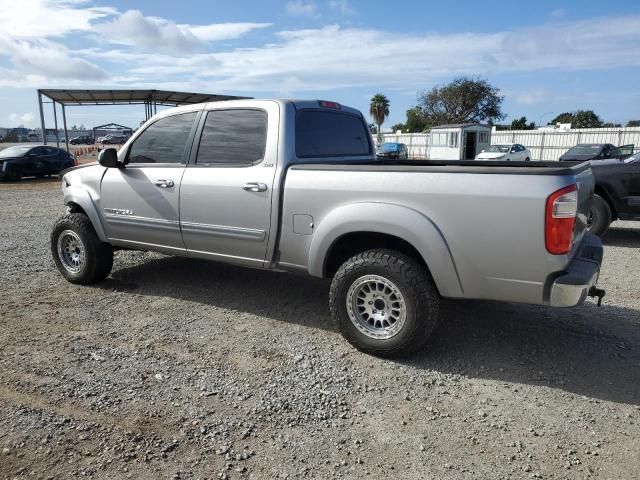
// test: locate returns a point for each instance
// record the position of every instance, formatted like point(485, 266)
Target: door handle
point(164, 183)
point(254, 187)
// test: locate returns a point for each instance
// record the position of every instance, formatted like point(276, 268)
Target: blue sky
point(547, 57)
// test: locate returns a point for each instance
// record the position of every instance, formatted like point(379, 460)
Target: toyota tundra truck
point(295, 186)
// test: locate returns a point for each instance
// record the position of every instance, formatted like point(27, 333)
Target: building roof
point(460, 125)
point(131, 97)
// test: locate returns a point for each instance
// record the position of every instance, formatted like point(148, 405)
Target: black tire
point(600, 216)
point(414, 283)
point(98, 256)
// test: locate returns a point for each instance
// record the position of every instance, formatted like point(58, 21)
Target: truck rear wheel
point(384, 302)
point(78, 252)
point(600, 216)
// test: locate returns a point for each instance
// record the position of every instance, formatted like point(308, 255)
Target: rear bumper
point(571, 287)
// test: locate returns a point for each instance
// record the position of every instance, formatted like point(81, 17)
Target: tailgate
point(586, 185)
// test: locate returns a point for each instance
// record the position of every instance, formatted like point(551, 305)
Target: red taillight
point(560, 220)
point(325, 104)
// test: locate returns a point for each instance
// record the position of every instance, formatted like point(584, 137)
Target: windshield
point(499, 148)
point(632, 158)
point(389, 147)
point(584, 150)
point(17, 151)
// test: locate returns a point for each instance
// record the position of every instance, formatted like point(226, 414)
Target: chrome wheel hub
point(376, 307)
point(71, 251)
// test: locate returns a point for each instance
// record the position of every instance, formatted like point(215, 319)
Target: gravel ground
point(183, 369)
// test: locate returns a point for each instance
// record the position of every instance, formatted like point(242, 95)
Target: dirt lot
point(183, 369)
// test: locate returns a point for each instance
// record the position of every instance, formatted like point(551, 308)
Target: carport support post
point(55, 123)
point(44, 137)
point(64, 123)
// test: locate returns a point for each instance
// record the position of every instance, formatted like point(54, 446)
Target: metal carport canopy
point(149, 98)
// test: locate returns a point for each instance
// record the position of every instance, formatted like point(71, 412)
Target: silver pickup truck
point(296, 186)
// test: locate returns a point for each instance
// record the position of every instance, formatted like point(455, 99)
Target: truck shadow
point(623, 237)
point(587, 350)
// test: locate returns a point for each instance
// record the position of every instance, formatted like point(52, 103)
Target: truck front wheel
point(78, 252)
point(384, 302)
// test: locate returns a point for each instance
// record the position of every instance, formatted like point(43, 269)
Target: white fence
point(544, 144)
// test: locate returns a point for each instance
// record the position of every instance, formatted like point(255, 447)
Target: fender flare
point(82, 198)
point(390, 219)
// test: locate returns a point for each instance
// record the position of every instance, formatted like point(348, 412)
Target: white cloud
point(48, 18)
point(24, 119)
point(333, 57)
point(222, 31)
point(157, 34)
point(147, 33)
point(304, 60)
point(300, 8)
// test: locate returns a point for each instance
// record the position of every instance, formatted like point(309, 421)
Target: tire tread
point(422, 289)
point(99, 254)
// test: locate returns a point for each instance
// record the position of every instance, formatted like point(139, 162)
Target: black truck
point(617, 192)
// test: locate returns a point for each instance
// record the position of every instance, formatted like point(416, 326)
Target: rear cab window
point(326, 133)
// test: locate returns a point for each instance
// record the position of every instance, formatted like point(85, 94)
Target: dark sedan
point(397, 151)
point(33, 161)
point(617, 192)
point(596, 151)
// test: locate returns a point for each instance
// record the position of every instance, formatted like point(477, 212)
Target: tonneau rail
point(448, 166)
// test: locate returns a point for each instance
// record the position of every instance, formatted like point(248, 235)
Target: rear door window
point(233, 137)
point(322, 133)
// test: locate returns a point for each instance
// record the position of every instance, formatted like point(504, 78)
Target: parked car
point(27, 161)
point(596, 151)
point(508, 152)
point(115, 139)
point(296, 186)
point(617, 192)
point(82, 140)
point(397, 151)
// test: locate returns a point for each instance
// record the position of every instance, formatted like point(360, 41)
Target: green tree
point(611, 125)
point(566, 117)
point(521, 124)
point(416, 122)
point(579, 119)
point(398, 126)
point(633, 123)
point(586, 119)
point(464, 100)
point(379, 110)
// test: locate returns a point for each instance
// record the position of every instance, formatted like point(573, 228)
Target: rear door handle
point(164, 183)
point(254, 187)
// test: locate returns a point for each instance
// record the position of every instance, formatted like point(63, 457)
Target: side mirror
point(109, 158)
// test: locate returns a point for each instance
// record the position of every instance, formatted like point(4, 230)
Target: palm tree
point(379, 110)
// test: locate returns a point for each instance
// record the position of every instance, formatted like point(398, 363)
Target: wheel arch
point(355, 228)
point(79, 200)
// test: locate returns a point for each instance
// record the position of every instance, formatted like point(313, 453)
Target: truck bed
point(490, 216)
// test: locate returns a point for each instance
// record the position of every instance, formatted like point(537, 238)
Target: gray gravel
point(183, 369)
